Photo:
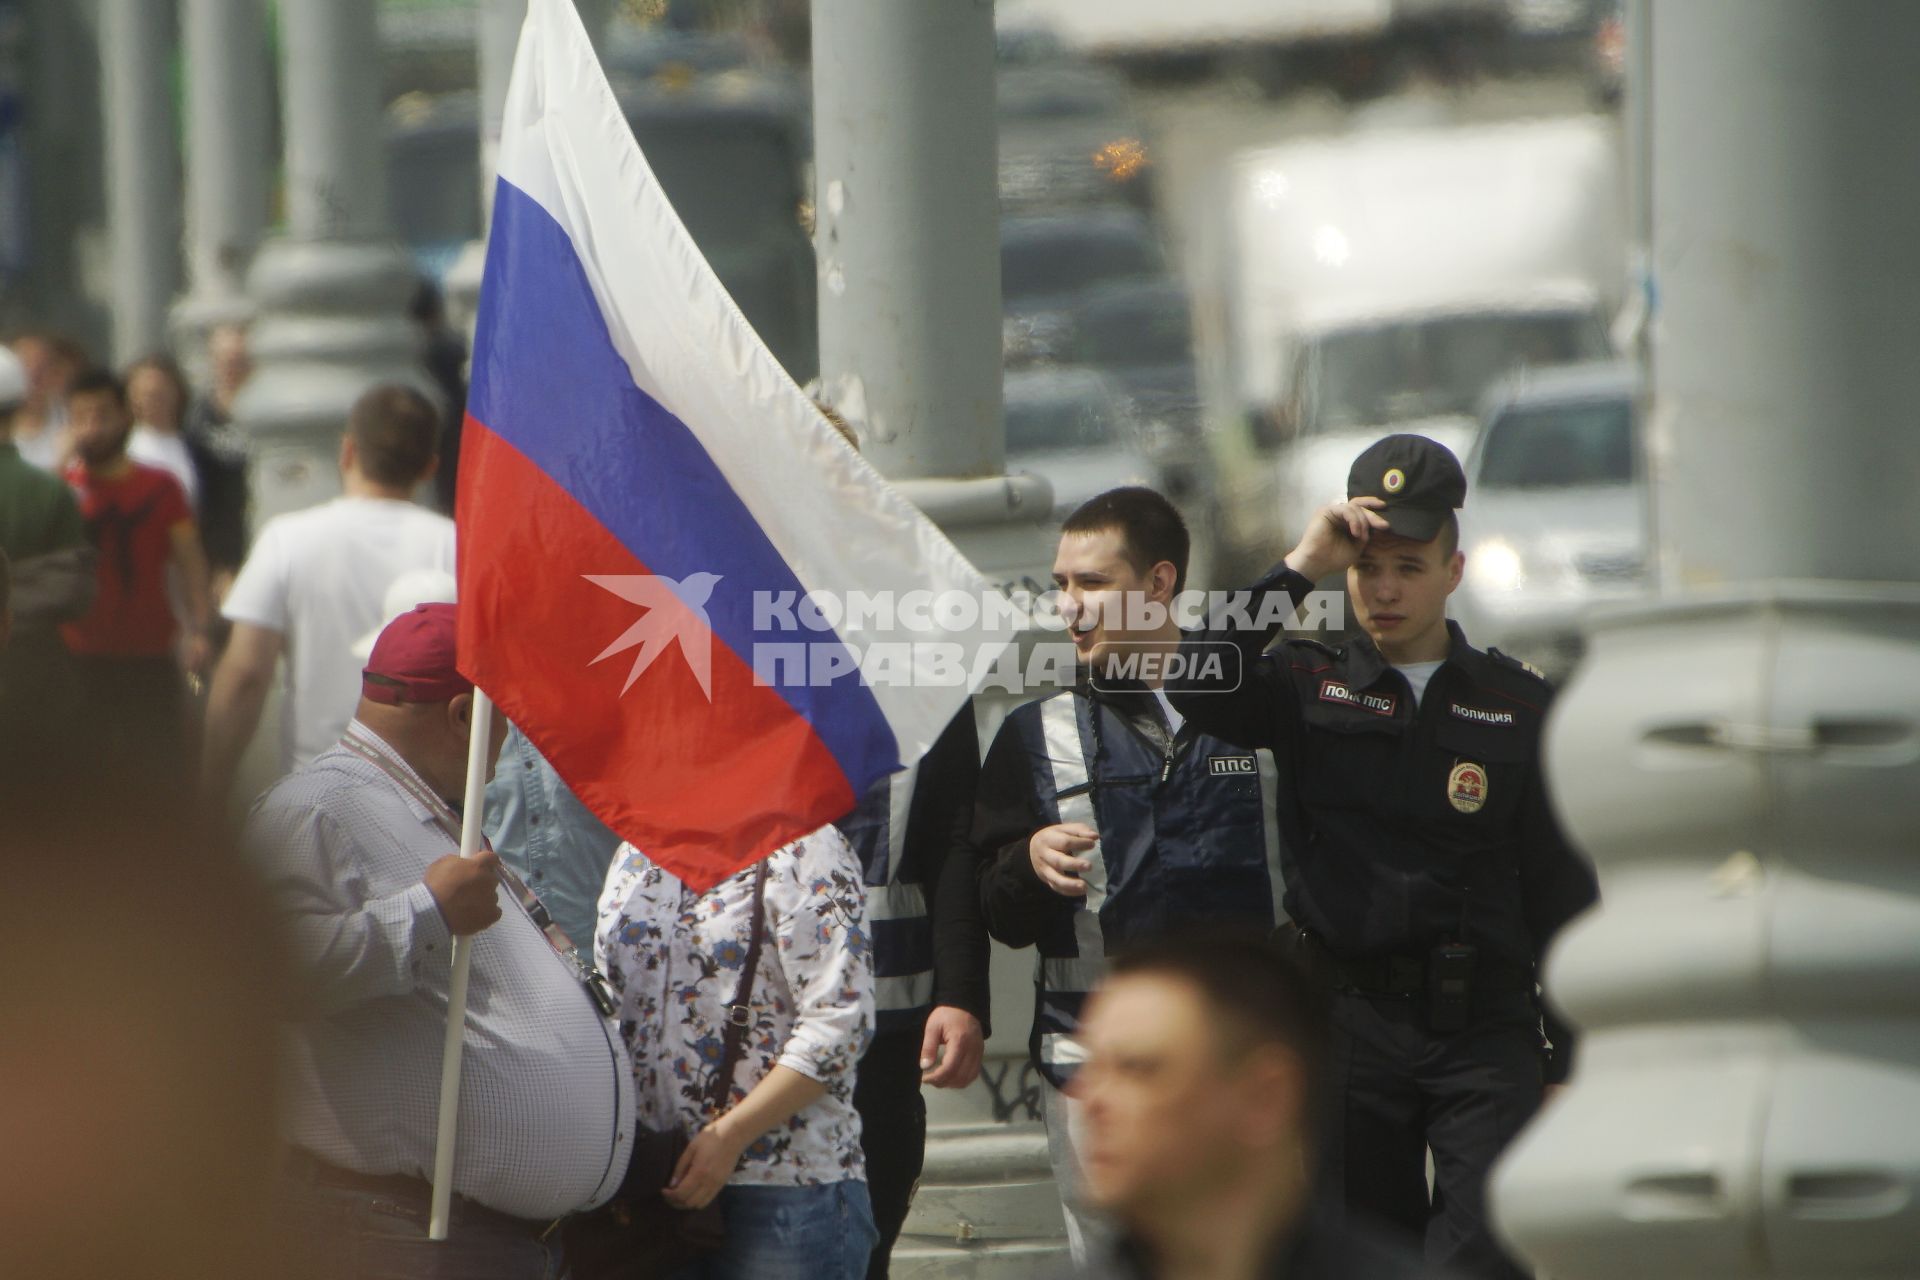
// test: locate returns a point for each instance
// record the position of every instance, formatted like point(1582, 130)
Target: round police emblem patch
point(1467, 787)
point(1394, 481)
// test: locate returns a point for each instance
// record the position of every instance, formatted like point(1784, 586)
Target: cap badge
point(1394, 481)
point(1467, 787)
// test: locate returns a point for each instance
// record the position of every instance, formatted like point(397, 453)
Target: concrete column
point(332, 292)
point(907, 241)
point(907, 231)
point(496, 38)
point(143, 170)
point(229, 161)
point(1742, 756)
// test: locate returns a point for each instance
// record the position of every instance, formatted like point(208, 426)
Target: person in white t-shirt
point(317, 581)
point(157, 395)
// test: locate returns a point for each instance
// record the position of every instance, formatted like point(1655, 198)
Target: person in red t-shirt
point(129, 647)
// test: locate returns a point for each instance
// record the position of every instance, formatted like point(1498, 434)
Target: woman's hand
point(704, 1167)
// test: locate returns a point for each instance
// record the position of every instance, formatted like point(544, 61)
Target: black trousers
point(1400, 1090)
point(893, 1133)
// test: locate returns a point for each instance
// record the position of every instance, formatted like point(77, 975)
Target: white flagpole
point(479, 747)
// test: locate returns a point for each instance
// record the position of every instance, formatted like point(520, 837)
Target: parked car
point(1047, 263)
point(1077, 429)
point(1556, 519)
point(1141, 333)
point(1068, 139)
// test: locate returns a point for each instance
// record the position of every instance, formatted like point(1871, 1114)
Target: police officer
point(929, 960)
point(1103, 817)
point(1427, 874)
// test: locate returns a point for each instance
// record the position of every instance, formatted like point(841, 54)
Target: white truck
point(1382, 281)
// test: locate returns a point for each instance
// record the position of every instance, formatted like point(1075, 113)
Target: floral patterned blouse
point(673, 959)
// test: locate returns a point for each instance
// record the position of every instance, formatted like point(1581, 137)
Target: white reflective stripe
point(895, 902)
point(1270, 826)
point(1067, 976)
point(1060, 725)
point(899, 807)
point(909, 991)
point(1061, 1050)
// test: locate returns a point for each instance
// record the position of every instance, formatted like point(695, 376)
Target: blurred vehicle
point(1068, 139)
point(1140, 332)
point(1048, 262)
point(1025, 41)
point(729, 150)
point(1556, 519)
point(1077, 429)
point(1381, 282)
point(1152, 29)
point(637, 53)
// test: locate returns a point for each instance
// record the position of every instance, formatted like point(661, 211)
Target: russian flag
point(642, 486)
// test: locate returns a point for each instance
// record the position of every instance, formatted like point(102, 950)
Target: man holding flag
point(359, 851)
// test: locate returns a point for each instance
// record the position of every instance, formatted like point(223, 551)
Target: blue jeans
point(792, 1233)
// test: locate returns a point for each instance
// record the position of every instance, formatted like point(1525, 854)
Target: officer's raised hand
point(1055, 853)
point(1335, 537)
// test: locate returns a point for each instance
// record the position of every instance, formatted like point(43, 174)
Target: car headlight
point(1494, 566)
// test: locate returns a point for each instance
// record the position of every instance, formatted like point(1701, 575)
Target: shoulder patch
point(1315, 646)
point(1508, 660)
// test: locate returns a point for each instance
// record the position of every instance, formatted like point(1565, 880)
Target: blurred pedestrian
point(230, 365)
point(157, 398)
point(1206, 1061)
point(541, 830)
point(767, 1108)
point(444, 354)
point(930, 956)
point(221, 456)
point(1104, 817)
point(44, 537)
point(360, 852)
point(316, 582)
point(40, 428)
point(129, 647)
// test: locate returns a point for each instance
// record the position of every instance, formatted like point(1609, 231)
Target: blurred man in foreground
point(137, 1123)
point(1205, 1063)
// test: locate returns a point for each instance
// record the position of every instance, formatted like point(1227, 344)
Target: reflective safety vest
point(897, 916)
point(1188, 834)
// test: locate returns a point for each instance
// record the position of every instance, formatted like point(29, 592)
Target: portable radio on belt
point(1450, 986)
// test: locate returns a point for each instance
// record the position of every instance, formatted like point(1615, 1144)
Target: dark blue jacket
point(1187, 827)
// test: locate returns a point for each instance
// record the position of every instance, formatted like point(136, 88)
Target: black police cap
point(1419, 480)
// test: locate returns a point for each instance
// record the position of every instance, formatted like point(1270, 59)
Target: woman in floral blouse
point(784, 1158)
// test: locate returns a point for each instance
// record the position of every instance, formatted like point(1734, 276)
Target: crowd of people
point(1287, 916)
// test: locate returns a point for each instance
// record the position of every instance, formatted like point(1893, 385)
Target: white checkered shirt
point(546, 1090)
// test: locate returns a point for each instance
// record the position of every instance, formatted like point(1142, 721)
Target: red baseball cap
point(413, 660)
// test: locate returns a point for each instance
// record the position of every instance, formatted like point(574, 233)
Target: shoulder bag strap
point(733, 1037)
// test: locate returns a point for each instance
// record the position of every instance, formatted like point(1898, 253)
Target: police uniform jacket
point(1188, 832)
point(923, 909)
point(1407, 826)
